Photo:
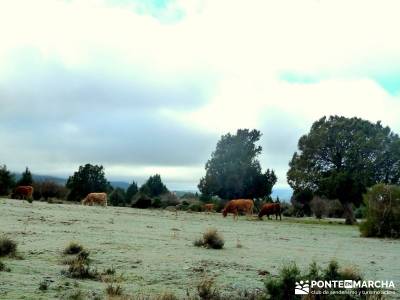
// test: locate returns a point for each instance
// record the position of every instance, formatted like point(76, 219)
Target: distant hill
point(63, 181)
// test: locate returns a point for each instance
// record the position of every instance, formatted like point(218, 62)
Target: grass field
point(154, 251)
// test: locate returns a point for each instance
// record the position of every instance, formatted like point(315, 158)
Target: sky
point(145, 87)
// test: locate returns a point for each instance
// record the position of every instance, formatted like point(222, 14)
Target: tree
point(131, 191)
point(154, 186)
point(88, 179)
point(233, 170)
point(341, 157)
point(117, 197)
point(26, 178)
point(6, 180)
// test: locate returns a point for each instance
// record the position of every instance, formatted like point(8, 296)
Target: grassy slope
point(154, 251)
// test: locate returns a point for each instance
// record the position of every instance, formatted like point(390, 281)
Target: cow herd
point(234, 207)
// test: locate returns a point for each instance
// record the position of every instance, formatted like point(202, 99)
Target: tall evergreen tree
point(88, 179)
point(6, 180)
point(26, 178)
point(233, 171)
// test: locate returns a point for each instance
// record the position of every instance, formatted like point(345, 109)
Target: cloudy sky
point(149, 86)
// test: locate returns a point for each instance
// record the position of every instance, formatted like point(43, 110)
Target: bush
point(335, 209)
point(287, 209)
point(117, 197)
point(382, 212)
point(73, 248)
point(197, 206)
point(48, 189)
point(79, 268)
point(206, 289)
point(360, 212)
point(282, 286)
point(211, 239)
point(43, 285)
point(141, 200)
point(318, 207)
point(169, 199)
point(7, 246)
point(114, 289)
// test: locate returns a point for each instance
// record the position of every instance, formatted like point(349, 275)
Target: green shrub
point(360, 212)
point(73, 248)
point(117, 197)
point(7, 246)
point(282, 286)
point(141, 200)
point(382, 216)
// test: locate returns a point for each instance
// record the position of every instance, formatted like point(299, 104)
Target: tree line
point(338, 159)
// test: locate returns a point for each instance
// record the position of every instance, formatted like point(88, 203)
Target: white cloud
point(232, 52)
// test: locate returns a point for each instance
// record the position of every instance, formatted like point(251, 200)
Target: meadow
point(153, 250)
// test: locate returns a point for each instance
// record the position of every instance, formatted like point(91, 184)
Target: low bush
point(197, 206)
point(211, 239)
point(44, 285)
point(141, 200)
point(78, 265)
point(334, 209)
point(7, 246)
point(287, 209)
point(114, 289)
point(73, 248)
point(360, 212)
point(206, 289)
point(79, 268)
point(283, 285)
point(319, 207)
point(382, 215)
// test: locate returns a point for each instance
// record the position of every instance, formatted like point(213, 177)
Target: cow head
point(225, 212)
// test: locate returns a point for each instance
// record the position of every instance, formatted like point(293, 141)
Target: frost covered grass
point(154, 251)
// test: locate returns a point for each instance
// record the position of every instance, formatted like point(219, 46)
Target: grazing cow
point(209, 207)
point(22, 192)
point(270, 209)
point(95, 198)
point(236, 205)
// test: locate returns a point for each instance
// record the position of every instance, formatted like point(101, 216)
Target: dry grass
point(211, 239)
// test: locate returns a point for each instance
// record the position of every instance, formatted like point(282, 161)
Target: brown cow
point(236, 205)
point(22, 192)
point(95, 198)
point(270, 209)
point(209, 207)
